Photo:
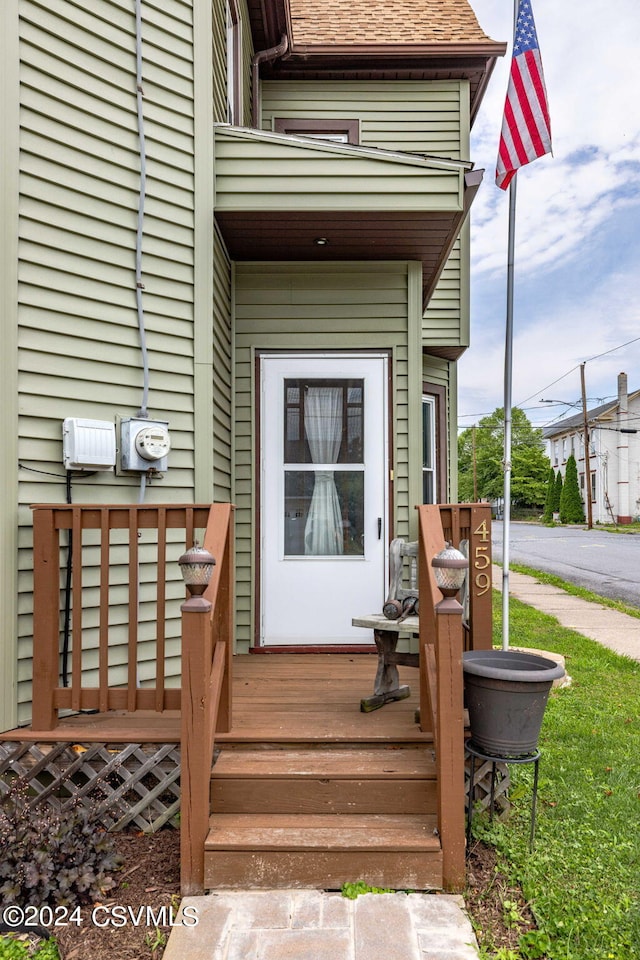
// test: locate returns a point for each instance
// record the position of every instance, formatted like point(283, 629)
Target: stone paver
point(316, 925)
point(379, 941)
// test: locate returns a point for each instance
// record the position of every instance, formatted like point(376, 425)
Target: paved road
point(606, 563)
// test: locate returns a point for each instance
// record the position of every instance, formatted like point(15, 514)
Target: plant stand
point(475, 753)
point(488, 789)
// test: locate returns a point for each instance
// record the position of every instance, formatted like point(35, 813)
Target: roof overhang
point(472, 61)
point(282, 197)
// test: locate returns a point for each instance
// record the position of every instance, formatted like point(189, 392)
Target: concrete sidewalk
point(615, 630)
point(316, 925)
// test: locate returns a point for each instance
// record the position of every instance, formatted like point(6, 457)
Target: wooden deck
point(303, 710)
point(315, 697)
point(280, 697)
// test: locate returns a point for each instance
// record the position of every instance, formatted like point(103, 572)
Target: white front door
point(323, 496)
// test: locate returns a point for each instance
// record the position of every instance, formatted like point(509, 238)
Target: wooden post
point(450, 752)
point(46, 618)
point(431, 541)
point(219, 539)
point(224, 632)
point(195, 743)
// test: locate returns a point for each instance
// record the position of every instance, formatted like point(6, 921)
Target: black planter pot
point(506, 693)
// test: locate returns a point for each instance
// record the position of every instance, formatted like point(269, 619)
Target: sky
point(577, 252)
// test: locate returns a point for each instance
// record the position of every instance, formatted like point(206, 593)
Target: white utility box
point(144, 444)
point(88, 444)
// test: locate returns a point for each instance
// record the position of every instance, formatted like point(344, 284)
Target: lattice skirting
point(123, 785)
point(482, 787)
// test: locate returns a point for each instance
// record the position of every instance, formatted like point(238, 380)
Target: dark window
point(342, 131)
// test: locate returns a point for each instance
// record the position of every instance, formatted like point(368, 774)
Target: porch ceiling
point(281, 198)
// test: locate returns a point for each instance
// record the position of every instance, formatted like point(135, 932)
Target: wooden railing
point(94, 534)
point(204, 698)
point(207, 650)
point(441, 648)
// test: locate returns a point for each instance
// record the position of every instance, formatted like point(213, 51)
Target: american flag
point(526, 131)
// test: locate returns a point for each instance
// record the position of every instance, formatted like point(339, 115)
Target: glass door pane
point(323, 434)
point(305, 537)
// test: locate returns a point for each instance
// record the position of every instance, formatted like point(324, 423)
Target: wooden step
point(322, 851)
point(355, 780)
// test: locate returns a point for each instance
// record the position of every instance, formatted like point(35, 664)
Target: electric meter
point(153, 443)
point(144, 444)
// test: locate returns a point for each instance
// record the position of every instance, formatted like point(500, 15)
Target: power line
point(550, 384)
point(564, 376)
point(613, 350)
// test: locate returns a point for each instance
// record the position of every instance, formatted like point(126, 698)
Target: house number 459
point(481, 559)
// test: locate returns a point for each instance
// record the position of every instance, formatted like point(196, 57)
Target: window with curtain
point(324, 467)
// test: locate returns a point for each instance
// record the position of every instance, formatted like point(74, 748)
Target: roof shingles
point(384, 22)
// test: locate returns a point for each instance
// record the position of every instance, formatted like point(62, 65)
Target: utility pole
point(475, 471)
point(587, 451)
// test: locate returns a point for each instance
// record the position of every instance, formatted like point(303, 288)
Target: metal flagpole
point(508, 394)
point(525, 135)
point(508, 390)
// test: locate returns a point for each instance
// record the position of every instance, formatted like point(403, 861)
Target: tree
point(547, 515)
point(571, 506)
point(557, 493)
point(529, 463)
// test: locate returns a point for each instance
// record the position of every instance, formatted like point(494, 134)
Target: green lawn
point(583, 878)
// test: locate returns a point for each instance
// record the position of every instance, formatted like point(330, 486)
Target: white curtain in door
point(323, 427)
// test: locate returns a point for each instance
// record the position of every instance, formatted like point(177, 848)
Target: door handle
point(379, 528)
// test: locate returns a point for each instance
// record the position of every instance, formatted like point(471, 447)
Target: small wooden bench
point(387, 682)
point(398, 618)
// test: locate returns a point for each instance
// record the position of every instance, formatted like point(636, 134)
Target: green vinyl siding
point(78, 338)
point(413, 116)
point(338, 307)
point(270, 172)
point(446, 320)
point(9, 205)
point(221, 371)
point(430, 117)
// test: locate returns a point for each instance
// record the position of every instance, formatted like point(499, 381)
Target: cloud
point(549, 344)
point(577, 283)
point(557, 206)
point(596, 133)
